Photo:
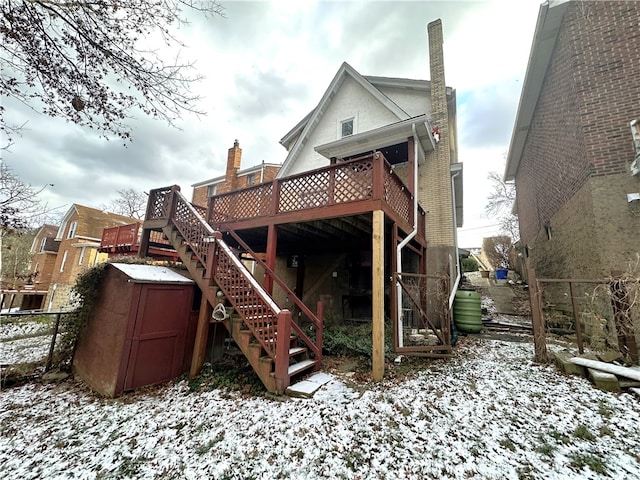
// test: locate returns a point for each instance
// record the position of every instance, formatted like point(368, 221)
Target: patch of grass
point(546, 449)
point(202, 449)
point(508, 444)
point(581, 460)
point(583, 433)
point(232, 375)
point(604, 410)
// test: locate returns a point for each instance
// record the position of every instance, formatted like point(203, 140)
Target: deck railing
point(366, 178)
point(128, 236)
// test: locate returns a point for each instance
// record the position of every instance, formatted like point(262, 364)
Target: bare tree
point(500, 204)
point(20, 207)
point(87, 62)
point(130, 202)
point(498, 250)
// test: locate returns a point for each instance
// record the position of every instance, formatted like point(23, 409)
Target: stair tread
point(300, 366)
point(296, 350)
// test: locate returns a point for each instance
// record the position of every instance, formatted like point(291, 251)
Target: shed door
point(158, 343)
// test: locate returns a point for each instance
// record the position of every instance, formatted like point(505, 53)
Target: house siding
point(573, 175)
point(414, 102)
point(351, 100)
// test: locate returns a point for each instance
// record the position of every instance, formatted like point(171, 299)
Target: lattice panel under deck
point(397, 196)
point(256, 313)
point(247, 203)
point(353, 182)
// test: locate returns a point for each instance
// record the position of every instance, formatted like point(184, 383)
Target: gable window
point(251, 179)
point(72, 230)
point(346, 127)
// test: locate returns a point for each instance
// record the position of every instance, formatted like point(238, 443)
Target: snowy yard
point(489, 413)
point(23, 340)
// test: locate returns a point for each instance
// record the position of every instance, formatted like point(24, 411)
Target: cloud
point(486, 115)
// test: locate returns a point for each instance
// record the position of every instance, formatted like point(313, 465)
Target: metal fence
point(28, 342)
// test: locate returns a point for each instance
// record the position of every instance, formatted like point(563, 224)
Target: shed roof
point(151, 273)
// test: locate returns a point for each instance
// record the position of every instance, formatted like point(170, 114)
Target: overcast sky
point(266, 65)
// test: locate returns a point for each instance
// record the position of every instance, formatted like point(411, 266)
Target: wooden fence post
point(539, 337)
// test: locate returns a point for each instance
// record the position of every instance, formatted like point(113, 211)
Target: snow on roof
point(151, 273)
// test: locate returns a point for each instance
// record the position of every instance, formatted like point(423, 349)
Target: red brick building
point(571, 150)
point(234, 178)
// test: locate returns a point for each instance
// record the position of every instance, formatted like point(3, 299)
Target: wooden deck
point(330, 199)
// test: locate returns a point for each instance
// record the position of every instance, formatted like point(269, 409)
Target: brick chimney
point(435, 177)
point(234, 158)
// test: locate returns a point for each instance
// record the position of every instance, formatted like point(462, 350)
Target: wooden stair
point(257, 324)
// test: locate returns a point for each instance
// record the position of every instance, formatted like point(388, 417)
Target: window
point(346, 128)
point(251, 179)
point(81, 255)
point(64, 260)
point(72, 230)
point(211, 190)
point(43, 244)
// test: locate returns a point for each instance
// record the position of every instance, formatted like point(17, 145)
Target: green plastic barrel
point(467, 311)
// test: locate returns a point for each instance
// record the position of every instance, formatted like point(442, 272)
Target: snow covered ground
point(23, 340)
point(489, 413)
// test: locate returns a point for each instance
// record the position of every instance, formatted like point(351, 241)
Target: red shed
point(139, 331)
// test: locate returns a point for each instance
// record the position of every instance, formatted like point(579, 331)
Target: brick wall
point(574, 170)
point(200, 196)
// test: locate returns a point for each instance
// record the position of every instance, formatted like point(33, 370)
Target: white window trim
point(64, 260)
point(43, 243)
point(353, 119)
point(81, 255)
point(72, 229)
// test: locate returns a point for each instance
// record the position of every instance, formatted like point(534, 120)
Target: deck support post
point(393, 291)
point(283, 343)
point(272, 242)
point(202, 334)
point(378, 295)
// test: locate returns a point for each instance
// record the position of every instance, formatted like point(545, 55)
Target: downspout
point(262, 172)
point(454, 287)
point(411, 235)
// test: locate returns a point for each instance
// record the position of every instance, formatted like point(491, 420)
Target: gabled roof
point(550, 18)
point(45, 231)
point(92, 221)
point(306, 126)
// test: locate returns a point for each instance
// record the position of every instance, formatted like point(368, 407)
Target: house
point(571, 150)
point(234, 178)
point(44, 251)
point(79, 237)
point(358, 226)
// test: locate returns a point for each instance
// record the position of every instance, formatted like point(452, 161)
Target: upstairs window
point(346, 128)
point(72, 230)
point(212, 190)
point(43, 244)
point(251, 179)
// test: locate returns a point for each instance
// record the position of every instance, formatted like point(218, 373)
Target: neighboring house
point(571, 151)
point(79, 235)
point(358, 226)
point(234, 178)
point(44, 251)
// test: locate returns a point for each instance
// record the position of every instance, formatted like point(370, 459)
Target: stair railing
point(316, 320)
point(230, 275)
